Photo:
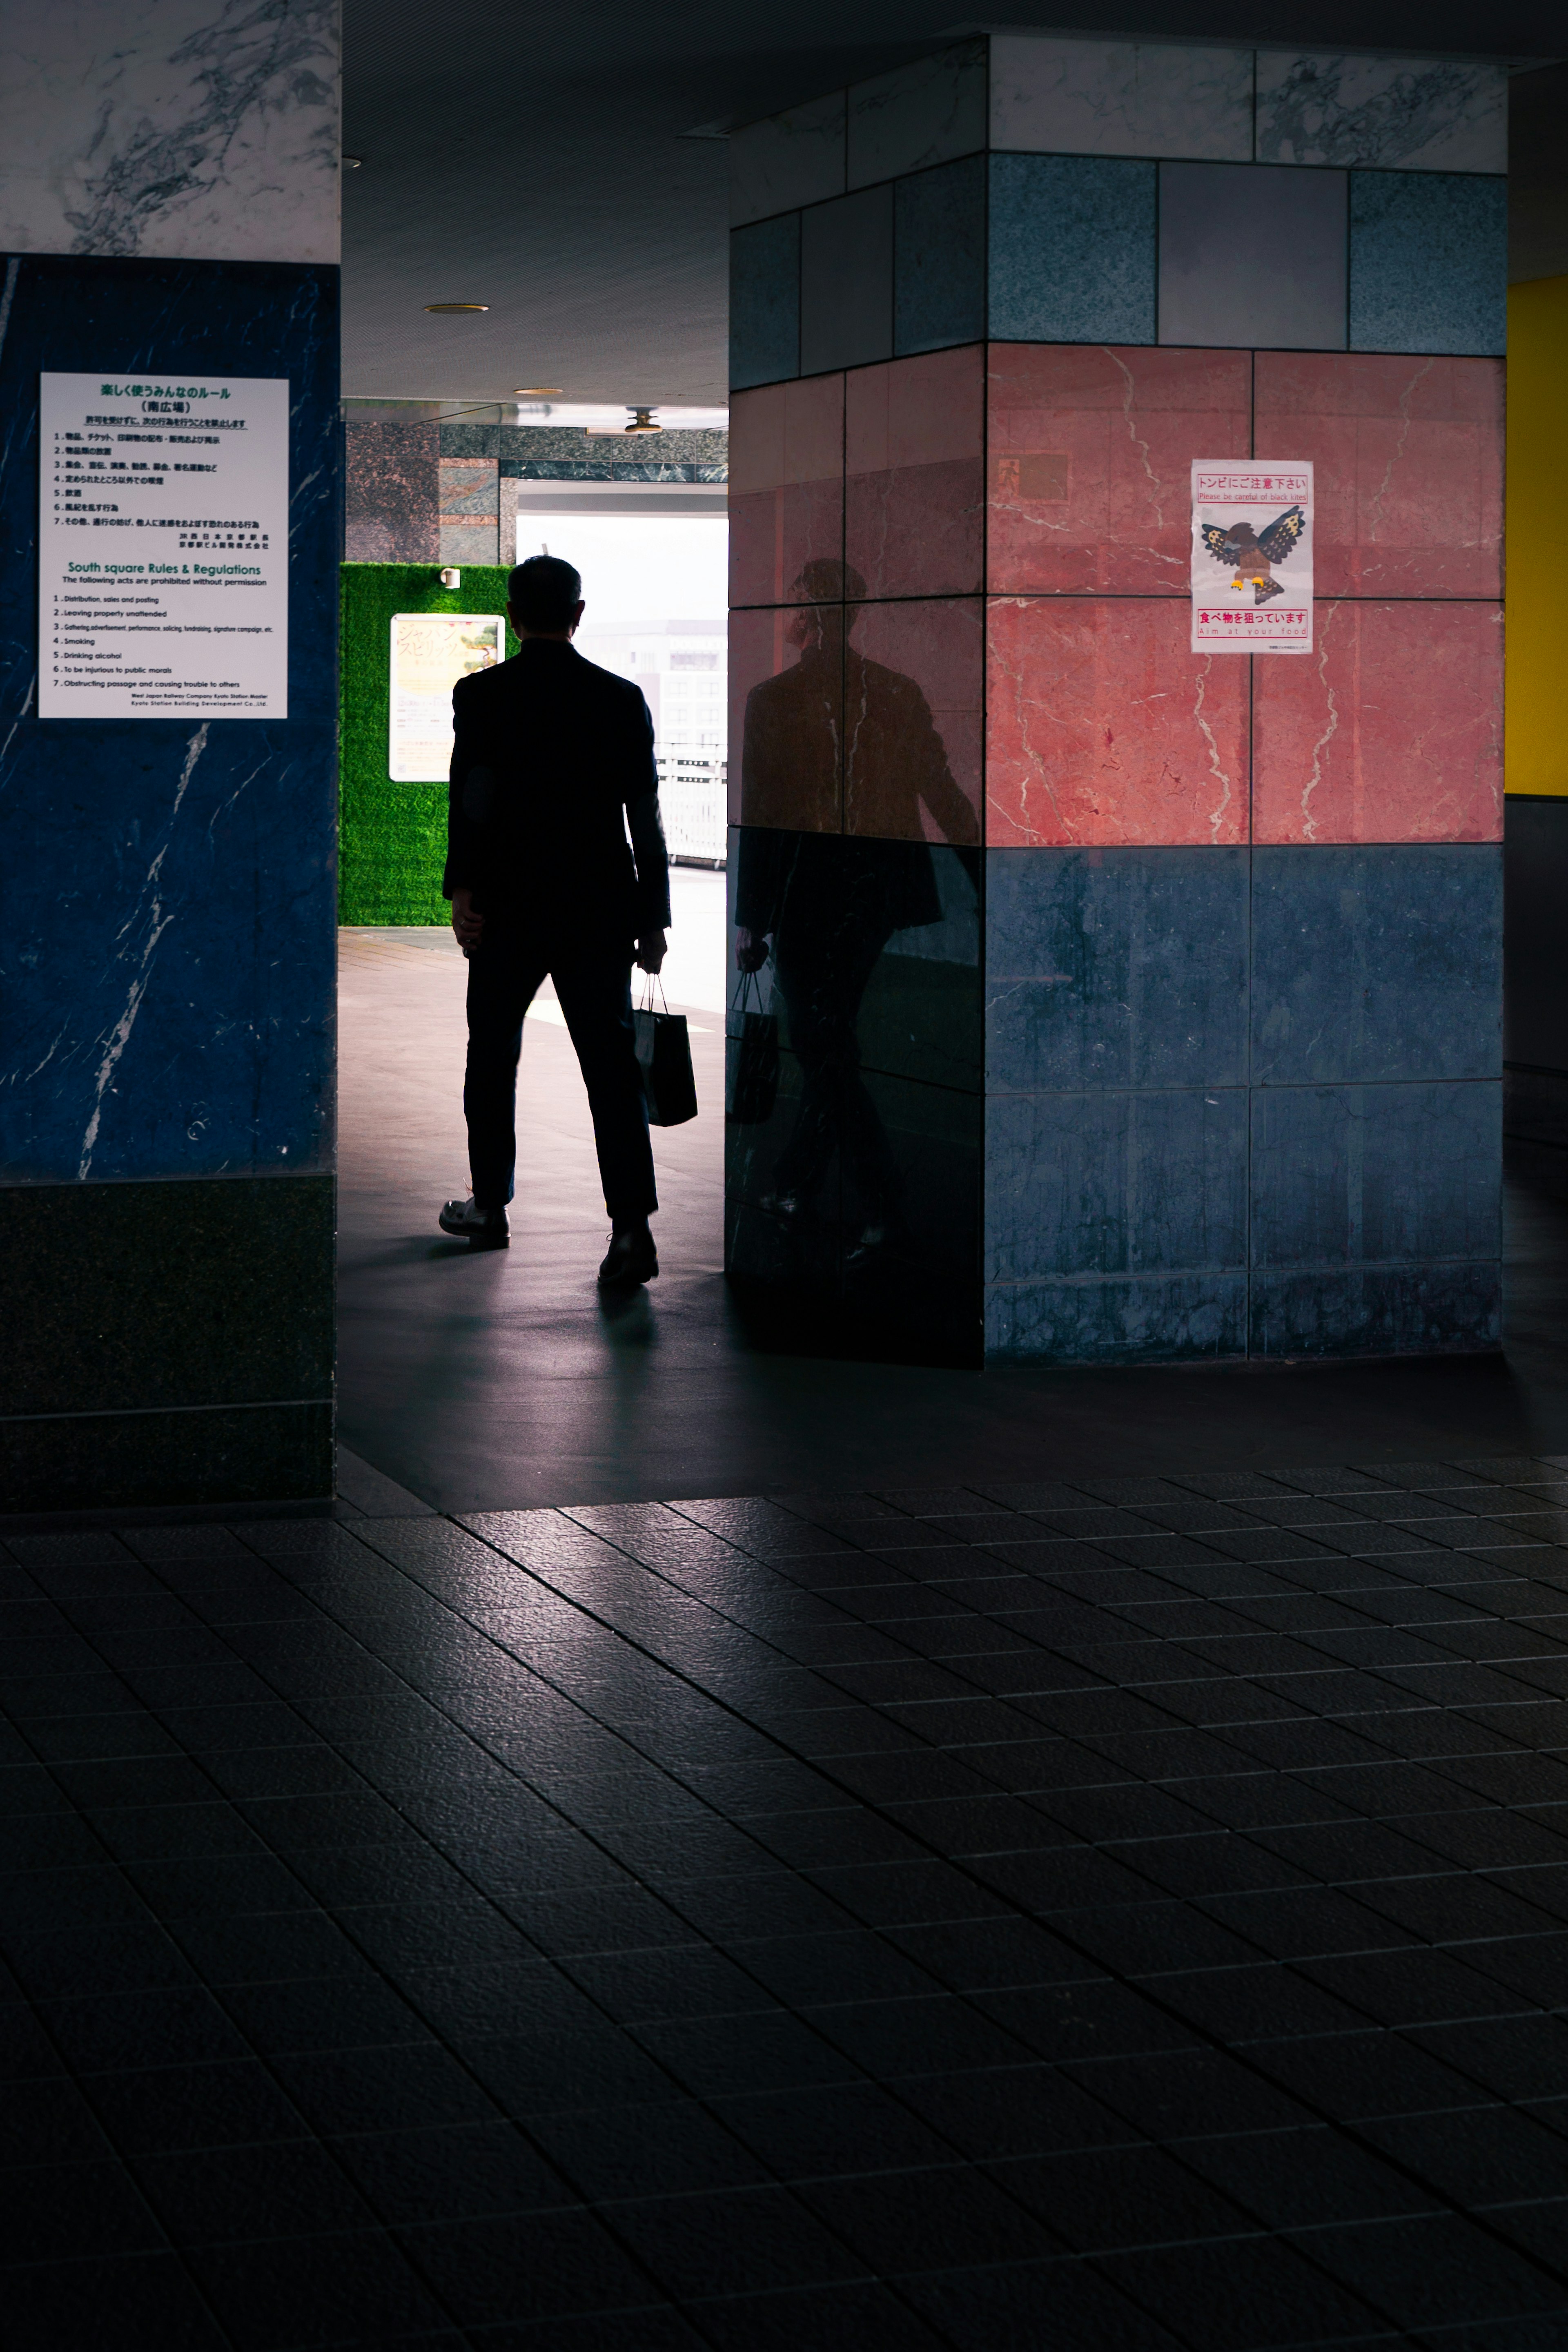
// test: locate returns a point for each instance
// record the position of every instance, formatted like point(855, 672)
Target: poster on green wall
point(430, 651)
point(392, 834)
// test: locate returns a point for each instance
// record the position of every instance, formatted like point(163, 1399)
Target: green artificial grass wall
point(392, 838)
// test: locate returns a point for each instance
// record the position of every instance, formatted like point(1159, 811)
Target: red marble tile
point(787, 717)
point(1391, 729)
point(914, 683)
point(914, 475)
point(1409, 453)
point(1102, 727)
point(786, 489)
point(1090, 465)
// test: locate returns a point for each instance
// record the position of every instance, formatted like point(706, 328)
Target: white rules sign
point(1251, 557)
point(163, 546)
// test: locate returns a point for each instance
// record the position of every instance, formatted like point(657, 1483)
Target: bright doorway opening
point(655, 587)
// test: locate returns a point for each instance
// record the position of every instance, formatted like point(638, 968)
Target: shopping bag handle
point(650, 981)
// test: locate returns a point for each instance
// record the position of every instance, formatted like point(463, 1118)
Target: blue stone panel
point(765, 303)
point(1429, 262)
point(1412, 1311)
point(912, 1237)
point(1111, 1184)
point(1376, 962)
point(168, 890)
point(1115, 968)
point(858, 1185)
point(939, 257)
point(921, 1015)
point(1072, 249)
point(1364, 1175)
point(1252, 255)
point(1138, 1319)
point(846, 282)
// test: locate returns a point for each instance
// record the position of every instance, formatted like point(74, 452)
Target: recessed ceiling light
point(455, 309)
point(532, 391)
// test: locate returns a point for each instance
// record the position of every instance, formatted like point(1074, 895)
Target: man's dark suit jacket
point(552, 765)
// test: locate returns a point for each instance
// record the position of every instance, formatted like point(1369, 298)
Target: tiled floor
point(1104, 1918)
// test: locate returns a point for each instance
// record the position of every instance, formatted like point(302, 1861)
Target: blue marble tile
point(168, 896)
point(1376, 962)
point(873, 959)
point(912, 1226)
point(939, 257)
point(920, 1016)
point(1252, 255)
point(460, 439)
point(765, 303)
point(1408, 1310)
point(1429, 262)
point(1152, 1319)
point(846, 282)
point(1072, 249)
point(1115, 968)
point(1115, 1184)
point(1375, 1174)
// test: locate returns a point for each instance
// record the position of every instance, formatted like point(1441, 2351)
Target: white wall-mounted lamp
point(450, 576)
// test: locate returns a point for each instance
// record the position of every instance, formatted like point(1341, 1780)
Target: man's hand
point(651, 949)
point(469, 927)
point(750, 950)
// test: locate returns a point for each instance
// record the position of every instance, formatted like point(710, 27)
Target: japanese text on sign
point(163, 547)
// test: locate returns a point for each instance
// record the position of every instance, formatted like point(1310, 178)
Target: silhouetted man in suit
point(552, 767)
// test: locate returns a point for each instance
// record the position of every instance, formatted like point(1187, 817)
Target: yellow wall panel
point(1537, 541)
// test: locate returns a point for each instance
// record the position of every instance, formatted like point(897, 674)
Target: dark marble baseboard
point(158, 1295)
point(92, 1460)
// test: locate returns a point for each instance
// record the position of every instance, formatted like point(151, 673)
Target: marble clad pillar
point(1135, 1005)
point(169, 203)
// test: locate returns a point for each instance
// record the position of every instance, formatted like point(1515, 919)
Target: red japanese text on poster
point(1251, 557)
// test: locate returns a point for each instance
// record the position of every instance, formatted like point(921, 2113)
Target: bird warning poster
point(1251, 557)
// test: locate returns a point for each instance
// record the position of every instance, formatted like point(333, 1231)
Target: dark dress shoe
point(480, 1228)
point(630, 1259)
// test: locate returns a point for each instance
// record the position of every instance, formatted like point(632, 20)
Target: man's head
point(824, 617)
point(544, 597)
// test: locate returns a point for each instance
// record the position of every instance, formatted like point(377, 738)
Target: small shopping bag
point(664, 1055)
point(751, 1059)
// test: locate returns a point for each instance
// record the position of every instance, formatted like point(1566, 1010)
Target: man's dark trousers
point(593, 983)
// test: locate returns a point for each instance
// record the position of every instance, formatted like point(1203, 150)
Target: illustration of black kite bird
point(1252, 555)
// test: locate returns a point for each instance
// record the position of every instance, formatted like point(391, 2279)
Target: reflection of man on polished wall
point(835, 713)
point(827, 901)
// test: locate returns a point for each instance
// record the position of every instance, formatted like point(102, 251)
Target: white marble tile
point(1409, 114)
point(797, 158)
point(1052, 97)
point(198, 130)
point(929, 112)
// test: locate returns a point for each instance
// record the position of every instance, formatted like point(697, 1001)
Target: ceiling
point(534, 159)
